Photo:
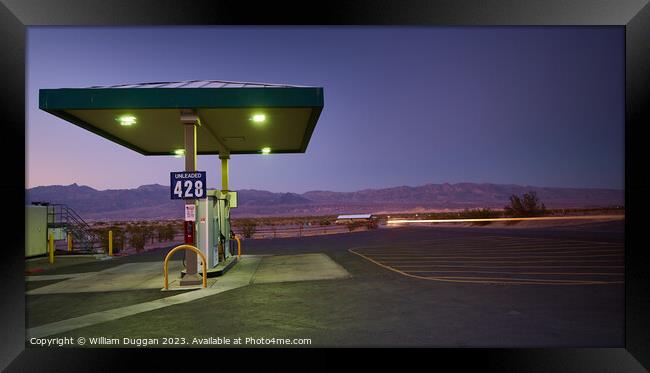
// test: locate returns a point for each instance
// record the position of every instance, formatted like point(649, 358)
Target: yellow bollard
point(110, 243)
point(51, 247)
point(238, 247)
point(185, 247)
point(69, 242)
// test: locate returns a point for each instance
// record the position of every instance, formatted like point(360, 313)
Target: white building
point(344, 219)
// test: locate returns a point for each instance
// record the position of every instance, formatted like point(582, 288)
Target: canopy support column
point(224, 172)
point(190, 120)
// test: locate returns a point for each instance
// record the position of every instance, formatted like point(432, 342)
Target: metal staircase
point(62, 217)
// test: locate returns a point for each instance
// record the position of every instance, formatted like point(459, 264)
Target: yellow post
point(69, 242)
point(238, 247)
point(110, 243)
point(185, 247)
point(51, 248)
point(224, 172)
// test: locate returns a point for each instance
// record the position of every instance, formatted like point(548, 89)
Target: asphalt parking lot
point(503, 260)
point(507, 288)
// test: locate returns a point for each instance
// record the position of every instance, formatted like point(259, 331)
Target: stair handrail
point(78, 219)
point(59, 213)
point(78, 226)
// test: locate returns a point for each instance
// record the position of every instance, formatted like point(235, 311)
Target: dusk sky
point(403, 105)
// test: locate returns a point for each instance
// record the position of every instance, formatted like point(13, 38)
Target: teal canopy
point(242, 117)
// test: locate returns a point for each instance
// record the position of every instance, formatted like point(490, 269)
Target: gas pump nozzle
point(221, 246)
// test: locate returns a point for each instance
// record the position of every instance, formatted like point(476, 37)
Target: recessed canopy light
point(179, 153)
point(126, 120)
point(258, 118)
point(266, 150)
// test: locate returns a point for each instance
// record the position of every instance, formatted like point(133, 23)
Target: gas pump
point(189, 232)
point(213, 226)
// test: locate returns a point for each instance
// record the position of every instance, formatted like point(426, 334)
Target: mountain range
point(153, 201)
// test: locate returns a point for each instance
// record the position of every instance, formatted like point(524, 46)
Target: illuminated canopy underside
point(225, 110)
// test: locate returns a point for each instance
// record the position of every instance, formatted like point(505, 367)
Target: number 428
point(193, 188)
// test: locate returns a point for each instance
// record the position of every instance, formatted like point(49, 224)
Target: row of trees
point(135, 236)
point(248, 227)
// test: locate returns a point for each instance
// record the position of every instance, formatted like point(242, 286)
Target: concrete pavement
point(378, 307)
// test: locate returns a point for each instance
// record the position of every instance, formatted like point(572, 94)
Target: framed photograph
point(465, 178)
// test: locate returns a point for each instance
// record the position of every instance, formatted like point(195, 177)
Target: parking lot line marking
point(495, 255)
point(397, 251)
point(481, 252)
point(412, 245)
point(524, 256)
point(438, 253)
point(492, 255)
point(487, 249)
point(517, 279)
point(432, 262)
point(505, 259)
point(480, 280)
point(507, 243)
point(484, 266)
point(478, 254)
point(518, 244)
point(502, 263)
point(569, 241)
point(57, 277)
point(527, 273)
point(504, 254)
point(514, 239)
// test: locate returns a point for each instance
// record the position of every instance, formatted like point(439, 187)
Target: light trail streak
point(592, 217)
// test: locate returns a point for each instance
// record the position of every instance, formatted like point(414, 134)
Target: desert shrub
point(354, 225)
point(137, 237)
point(248, 227)
point(160, 231)
point(119, 238)
point(149, 233)
point(169, 232)
point(102, 234)
point(324, 223)
point(165, 232)
point(372, 224)
point(274, 229)
point(527, 205)
point(479, 213)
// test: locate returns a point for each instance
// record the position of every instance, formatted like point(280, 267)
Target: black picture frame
point(634, 15)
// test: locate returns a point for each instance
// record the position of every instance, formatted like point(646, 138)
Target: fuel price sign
point(187, 184)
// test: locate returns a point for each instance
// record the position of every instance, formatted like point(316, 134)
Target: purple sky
point(403, 105)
